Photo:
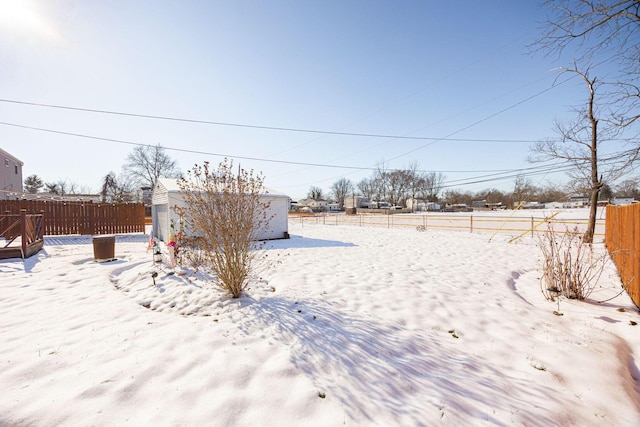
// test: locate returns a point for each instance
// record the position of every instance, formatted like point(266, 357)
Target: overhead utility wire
point(275, 128)
point(183, 150)
point(448, 137)
point(476, 180)
point(119, 141)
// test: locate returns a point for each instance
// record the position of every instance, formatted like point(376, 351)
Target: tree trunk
point(595, 182)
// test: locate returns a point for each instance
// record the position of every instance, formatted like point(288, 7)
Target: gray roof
point(171, 186)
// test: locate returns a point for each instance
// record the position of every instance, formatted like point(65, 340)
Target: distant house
point(351, 202)
point(89, 198)
point(458, 207)
point(622, 201)
point(10, 176)
point(554, 205)
point(315, 205)
point(532, 205)
point(577, 202)
point(166, 195)
point(333, 206)
point(422, 205)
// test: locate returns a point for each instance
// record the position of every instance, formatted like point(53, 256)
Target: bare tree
point(523, 190)
point(492, 195)
point(315, 193)
point(579, 147)
point(116, 190)
point(399, 185)
point(366, 188)
point(147, 163)
point(600, 29)
point(455, 197)
point(628, 188)
point(380, 183)
point(432, 185)
point(341, 189)
point(552, 193)
point(59, 188)
point(226, 216)
point(109, 187)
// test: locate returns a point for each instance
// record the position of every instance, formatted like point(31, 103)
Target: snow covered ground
point(349, 326)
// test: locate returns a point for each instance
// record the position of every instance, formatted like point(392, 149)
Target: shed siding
point(164, 200)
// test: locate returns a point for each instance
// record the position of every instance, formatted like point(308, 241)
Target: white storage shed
point(166, 195)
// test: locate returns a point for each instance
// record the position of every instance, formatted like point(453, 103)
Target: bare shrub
point(191, 253)
point(225, 218)
point(571, 267)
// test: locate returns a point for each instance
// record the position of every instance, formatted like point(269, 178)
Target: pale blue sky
point(427, 69)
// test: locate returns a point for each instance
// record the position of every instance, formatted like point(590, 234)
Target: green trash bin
point(104, 248)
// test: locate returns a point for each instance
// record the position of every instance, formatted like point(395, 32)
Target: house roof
point(171, 185)
point(5, 154)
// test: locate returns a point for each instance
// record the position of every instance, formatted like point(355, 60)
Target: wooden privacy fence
point(86, 218)
point(23, 228)
point(622, 237)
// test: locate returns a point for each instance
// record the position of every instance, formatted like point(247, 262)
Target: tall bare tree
point(315, 193)
point(340, 189)
point(523, 190)
point(399, 183)
point(147, 163)
point(579, 146)
point(432, 185)
point(116, 190)
point(365, 185)
point(598, 30)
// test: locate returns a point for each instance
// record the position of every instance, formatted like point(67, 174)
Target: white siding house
point(10, 176)
point(166, 195)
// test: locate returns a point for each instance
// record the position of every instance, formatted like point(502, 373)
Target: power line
point(448, 137)
point(494, 175)
point(183, 150)
point(274, 128)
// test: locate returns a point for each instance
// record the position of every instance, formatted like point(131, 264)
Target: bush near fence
point(622, 237)
point(85, 218)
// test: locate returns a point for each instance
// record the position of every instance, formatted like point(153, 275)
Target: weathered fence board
point(86, 218)
point(622, 237)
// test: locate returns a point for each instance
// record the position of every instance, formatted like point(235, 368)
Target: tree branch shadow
point(367, 365)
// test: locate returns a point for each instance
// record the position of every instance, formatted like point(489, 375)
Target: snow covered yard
point(355, 326)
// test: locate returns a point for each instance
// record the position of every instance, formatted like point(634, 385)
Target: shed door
point(161, 230)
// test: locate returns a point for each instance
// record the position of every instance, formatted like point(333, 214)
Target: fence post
point(532, 226)
point(23, 231)
point(471, 217)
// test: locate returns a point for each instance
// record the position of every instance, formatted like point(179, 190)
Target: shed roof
point(171, 185)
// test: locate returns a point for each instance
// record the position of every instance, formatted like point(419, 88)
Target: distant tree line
point(394, 186)
point(143, 166)
point(397, 186)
